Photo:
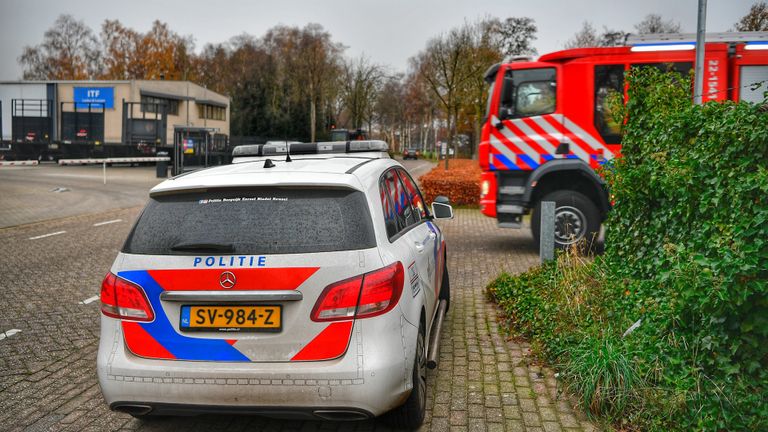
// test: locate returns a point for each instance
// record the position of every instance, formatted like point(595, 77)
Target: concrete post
point(547, 231)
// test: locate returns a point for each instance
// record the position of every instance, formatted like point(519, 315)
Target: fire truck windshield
point(528, 92)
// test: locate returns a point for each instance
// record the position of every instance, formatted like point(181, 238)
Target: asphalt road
point(48, 191)
point(37, 193)
point(50, 273)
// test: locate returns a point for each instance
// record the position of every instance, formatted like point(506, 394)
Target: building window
point(211, 112)
point(152, 104)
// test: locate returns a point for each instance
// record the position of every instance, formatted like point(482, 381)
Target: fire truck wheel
point(577, 220)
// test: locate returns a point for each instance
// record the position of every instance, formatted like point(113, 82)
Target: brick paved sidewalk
point(485, 382)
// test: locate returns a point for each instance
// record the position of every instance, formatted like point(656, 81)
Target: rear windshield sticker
point(239, 199)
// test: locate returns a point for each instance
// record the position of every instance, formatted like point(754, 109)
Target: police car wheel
point(577, 220)
point(149, 417)
point(410, 415)
point(445, 286)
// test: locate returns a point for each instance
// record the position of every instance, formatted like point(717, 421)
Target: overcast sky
point(387, 31)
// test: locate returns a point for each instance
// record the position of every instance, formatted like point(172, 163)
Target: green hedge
point(686, 253)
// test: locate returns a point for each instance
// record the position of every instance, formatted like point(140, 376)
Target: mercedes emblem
point(227, 280)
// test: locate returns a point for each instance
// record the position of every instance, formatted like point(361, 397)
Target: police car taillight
point(381, 291)
point(338, 301)
point(363, 296)
point(124, 300)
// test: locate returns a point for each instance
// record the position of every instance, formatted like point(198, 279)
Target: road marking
point(76, 176)
point(47, 235)
point(89, 300)
point(108, 222)
point(9, 333)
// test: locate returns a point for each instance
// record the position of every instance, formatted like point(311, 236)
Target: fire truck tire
point(577, 220)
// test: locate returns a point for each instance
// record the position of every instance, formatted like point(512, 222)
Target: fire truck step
point(512, 190)
point(512, 209)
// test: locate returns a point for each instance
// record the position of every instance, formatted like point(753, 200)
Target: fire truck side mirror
point(505, 112)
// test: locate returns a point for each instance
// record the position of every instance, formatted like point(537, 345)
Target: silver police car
point(303, 280)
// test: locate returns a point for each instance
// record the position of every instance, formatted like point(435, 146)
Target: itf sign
point(96, 96)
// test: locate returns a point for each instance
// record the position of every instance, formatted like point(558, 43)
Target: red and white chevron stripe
point(529, 142)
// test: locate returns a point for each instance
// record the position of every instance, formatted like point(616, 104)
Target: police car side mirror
point(442, 211)
point(442, 199)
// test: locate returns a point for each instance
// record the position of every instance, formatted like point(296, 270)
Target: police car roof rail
point(657, 38)
point(282, 148)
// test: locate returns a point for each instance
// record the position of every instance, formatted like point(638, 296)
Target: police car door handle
point(420, 245)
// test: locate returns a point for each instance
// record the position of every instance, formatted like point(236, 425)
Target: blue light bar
point(754, 46)
point(294, 148)
point(667, 46)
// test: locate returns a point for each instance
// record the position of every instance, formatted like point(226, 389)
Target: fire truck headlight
point(485, 187)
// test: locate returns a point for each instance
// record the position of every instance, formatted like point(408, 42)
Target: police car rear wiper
point(203, 247)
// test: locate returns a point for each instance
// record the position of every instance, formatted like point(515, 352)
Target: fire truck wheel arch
point(560, 171)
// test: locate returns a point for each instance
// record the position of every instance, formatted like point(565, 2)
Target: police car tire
point(149, 417)
point(410, 415)
point(580, 202)
point(445, 286)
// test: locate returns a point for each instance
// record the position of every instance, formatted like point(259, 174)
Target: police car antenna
point(269, 164)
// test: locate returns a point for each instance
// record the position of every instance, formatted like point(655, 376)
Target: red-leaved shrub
point(460, 183)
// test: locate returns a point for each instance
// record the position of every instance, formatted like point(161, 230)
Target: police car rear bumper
point(301, 413)
point(369, 380)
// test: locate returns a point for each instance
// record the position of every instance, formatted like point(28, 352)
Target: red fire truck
point(548, 124)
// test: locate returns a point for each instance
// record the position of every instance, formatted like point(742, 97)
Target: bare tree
point(610, 37)
point(360, 84)
point(320, 60)
point(420, 104)
point(517, 35)
point(442, 64)
point(390, 110)
point(586, 37)
point(755, 20)
point(485, 49)
point(654, 23)
point(69, 51)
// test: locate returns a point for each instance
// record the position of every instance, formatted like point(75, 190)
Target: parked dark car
point(410, 154)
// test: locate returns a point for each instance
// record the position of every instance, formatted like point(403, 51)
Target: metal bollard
point(547, 232)
point(161, 169)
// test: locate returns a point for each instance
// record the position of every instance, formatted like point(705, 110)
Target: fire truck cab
point(549, 124)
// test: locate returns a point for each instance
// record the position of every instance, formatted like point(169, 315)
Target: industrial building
point(47, 120)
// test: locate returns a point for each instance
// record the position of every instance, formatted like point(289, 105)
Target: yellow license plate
point(231, 318)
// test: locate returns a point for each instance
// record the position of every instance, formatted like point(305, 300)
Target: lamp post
point(701, 30)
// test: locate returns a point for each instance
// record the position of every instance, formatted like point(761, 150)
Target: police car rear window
point(253, 221)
